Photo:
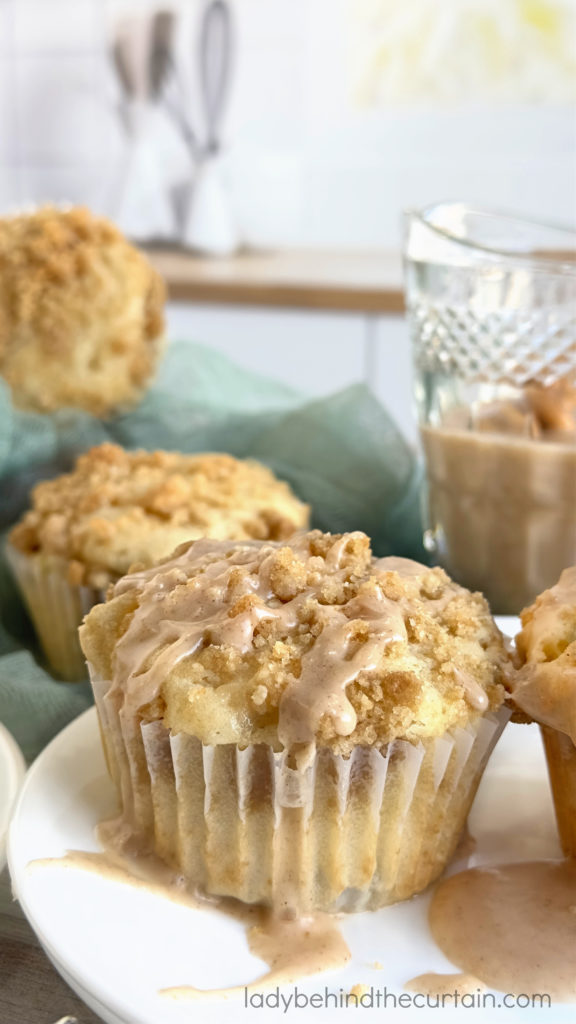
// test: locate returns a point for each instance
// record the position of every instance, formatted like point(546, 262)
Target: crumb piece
point(359, 990)
point(259, 695)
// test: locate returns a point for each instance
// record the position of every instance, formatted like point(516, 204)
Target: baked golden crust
point(81, 312)
point(545, 688)
point(119, 507)
point(314, 640)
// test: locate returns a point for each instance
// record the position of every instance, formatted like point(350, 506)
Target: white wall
point(305, 165)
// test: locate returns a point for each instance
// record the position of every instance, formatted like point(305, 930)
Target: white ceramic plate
point(117, 946)
point(12, 771)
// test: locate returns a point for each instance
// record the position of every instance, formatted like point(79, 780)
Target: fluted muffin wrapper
point(346, 834)
point(561, 758)
point(56, 608)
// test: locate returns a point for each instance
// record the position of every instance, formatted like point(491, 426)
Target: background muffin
point(81, 312)
point(546, 691)
point(300, 725)
point(88, 527)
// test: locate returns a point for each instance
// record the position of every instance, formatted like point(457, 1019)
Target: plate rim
point(76, 980)
point(16, 766)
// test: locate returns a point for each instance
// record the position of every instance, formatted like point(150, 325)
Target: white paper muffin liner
point(347, 834)
point(56, 608)
point(561, 759)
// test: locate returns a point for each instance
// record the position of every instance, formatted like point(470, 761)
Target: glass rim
point(538, 259)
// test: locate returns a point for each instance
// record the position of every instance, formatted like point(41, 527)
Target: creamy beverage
point(503, 509)
point(502, 494)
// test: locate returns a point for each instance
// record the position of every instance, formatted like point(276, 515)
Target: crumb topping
point(81, 312)
point(122, 507)
point(310, 642)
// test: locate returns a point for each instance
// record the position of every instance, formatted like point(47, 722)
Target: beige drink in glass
point(492, 307)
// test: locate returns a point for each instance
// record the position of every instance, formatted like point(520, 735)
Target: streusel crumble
point(118, 507)
point(81, 312)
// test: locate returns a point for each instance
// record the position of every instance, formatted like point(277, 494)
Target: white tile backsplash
point(270, 23)
point(57, 26)
point(82, 184)
point(119, 8)
point(63, 111)
point(268, 100)
point(368, 197)
point(448, 134)
point(7, 112)
point(10, 196)
point(307, 164)
point(267, 188)
point(6, 28)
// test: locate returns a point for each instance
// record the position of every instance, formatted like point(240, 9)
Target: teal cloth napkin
point(342, 454)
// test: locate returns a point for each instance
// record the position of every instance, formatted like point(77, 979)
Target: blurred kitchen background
point(280, 140)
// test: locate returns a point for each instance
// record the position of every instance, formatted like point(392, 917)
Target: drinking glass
point(491, 302)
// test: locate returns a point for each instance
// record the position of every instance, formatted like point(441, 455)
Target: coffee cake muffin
point(85, 529)
point(81, 313)
point(545, 690)
point(299, 725)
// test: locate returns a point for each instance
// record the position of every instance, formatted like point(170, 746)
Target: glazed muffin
point(86, 528)
point(299, 725)
point(546, 691)
point(81, 313)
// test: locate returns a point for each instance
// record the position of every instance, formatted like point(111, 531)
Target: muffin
point(116, 508)
point(297, 725)
point(81, 313)
point(545, 690)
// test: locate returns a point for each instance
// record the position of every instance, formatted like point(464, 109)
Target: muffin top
point(81, 312)
point(545, 687)
point(310, 643)
point(122, 507)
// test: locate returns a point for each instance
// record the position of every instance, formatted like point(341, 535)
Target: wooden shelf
point(329, 280)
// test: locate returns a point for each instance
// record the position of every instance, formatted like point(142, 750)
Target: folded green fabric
point(342, 454)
